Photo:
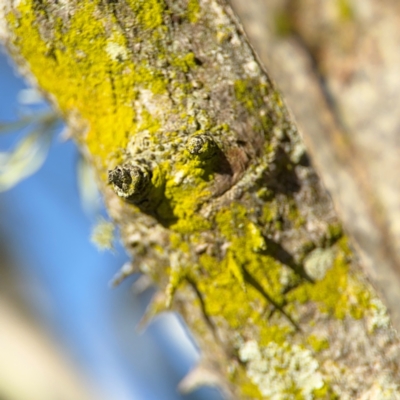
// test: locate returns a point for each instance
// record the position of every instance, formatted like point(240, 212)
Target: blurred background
point(65, 334)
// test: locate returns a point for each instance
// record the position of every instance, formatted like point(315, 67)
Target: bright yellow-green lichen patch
point(193, 10)
point(186, 187)
point(230, 281)
point(88, 68)
point(149, 13)
point(185, 62)
point(318, 344)
point(338, 293)
point(223, 292)
point(269, 332)
point(77, 72)
point(249, 390)
point(325, 392)
point(249, 248)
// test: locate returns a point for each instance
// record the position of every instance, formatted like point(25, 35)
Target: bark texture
point(207, 177)
point(337, 65)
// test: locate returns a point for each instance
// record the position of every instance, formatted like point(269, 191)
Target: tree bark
point(336, 64)
point(205, 173)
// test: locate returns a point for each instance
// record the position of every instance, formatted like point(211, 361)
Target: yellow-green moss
point(149, 123)
point(329, 293)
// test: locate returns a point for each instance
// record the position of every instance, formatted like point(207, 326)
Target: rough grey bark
point(205, 173)
point(337, 66)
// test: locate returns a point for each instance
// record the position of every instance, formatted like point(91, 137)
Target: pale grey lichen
point(380, 317)
point(252, 68)
point(318, 262)
point(116, 51)
point(265, 366)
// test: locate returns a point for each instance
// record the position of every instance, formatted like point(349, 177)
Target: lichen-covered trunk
point(205, 173)
point(337, 64)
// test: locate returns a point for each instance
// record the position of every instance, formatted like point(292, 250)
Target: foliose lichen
point(266, 365)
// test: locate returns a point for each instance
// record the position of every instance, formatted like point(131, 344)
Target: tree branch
point(205, 173)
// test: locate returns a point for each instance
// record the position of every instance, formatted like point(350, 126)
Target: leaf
point(46, 119)
point(29, 154)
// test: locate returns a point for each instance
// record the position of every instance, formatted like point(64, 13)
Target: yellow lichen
point(193, 10)
point(338, 293)
point(184, 63)
point(90, 69)
point(78, 74)
point(149, 13)
point(318, 344)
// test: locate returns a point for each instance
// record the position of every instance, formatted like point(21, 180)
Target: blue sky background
point(66, 279)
